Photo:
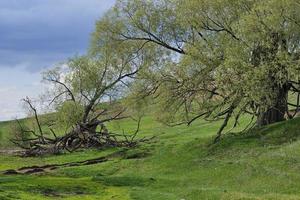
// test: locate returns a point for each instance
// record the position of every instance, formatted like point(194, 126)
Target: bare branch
point(28, 101)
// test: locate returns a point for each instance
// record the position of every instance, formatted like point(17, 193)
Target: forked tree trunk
point(277, 112)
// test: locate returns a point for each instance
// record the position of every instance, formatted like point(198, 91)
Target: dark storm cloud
point(38, 33)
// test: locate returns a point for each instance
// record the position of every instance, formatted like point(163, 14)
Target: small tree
point(85, 94)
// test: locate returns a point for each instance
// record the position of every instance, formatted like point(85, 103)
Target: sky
point(35, 35)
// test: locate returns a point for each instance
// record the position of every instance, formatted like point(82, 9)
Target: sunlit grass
point(180, 163)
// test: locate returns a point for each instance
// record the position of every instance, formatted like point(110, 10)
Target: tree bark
point(277, 111)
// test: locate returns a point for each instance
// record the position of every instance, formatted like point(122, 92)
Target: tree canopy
point(219, 59)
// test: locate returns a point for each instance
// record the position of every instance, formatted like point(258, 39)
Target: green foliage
point(20, 132)
point(69, 113)
point(213, 55)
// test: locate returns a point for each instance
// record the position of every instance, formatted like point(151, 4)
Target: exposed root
point(51, 167)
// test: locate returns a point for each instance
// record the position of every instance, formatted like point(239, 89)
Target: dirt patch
point(10, 172)
point(48, 168)
point(51, 167)
point(50, 193)
point(34, 171)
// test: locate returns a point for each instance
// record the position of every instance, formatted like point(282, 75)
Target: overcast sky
point(34, 35)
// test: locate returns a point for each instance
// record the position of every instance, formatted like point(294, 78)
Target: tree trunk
point(275, 113)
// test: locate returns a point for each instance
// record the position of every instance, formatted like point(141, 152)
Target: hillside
point(4, 135)
point(178, 164)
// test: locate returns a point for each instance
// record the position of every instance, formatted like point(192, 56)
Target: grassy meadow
point(180, 163)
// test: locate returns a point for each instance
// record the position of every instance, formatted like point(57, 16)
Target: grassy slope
point(4, 137)
point(180, 164)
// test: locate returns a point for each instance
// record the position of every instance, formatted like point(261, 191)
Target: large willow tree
point(221, 58)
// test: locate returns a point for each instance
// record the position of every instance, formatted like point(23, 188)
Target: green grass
point(4, 135)
point(179, 164)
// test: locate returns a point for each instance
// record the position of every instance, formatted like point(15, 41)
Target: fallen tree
point(92, 134)
point(85, 94)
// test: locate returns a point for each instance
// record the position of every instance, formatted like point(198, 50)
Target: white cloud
point(15, 84)
point(35, 34)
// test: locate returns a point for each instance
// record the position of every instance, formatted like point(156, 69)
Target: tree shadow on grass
point(126, 181)
point(268, 136)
